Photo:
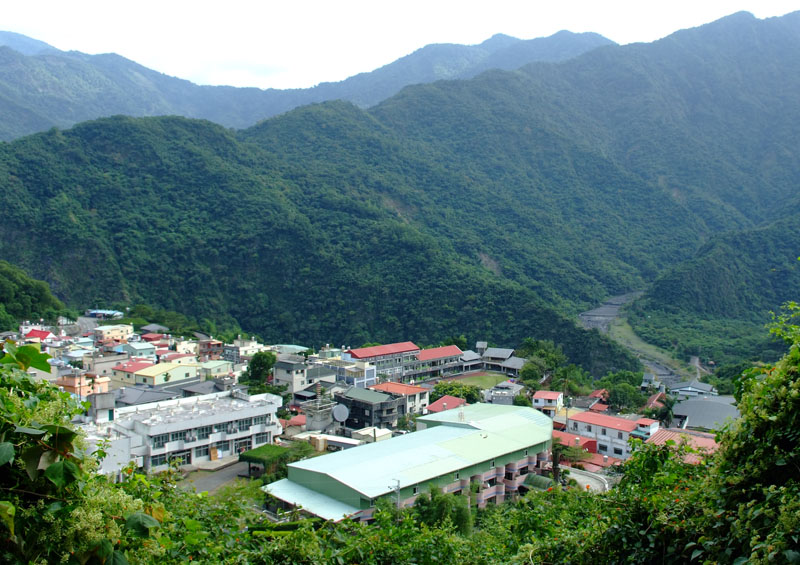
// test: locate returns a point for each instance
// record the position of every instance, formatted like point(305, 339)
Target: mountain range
point(497, 206)
point(43, 87)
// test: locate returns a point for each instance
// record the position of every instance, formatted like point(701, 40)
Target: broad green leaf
point(6, 452)
point(29, 356)
point(29, 431)
point(7, 511)
point(104, 549)
point(140, 524)
point(31, 458)
point(56, 474)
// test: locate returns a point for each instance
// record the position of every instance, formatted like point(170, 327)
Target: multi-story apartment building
point(118, 333)
point(185, 430)
point(209, 349)
point(389, 360)
point(412, 399)
point(491, 448)
point(296, 374)
point(361, 374)
point(368, 408)
point(434, 362)
point(611, 432)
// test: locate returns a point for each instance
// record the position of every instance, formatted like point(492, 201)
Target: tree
point(470, 393)
point(624, 396)
point(522, 400)
point(260, 367)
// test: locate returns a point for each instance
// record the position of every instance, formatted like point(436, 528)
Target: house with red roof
point(702, 442)
point(611, 432)
point(39, 335)
point(656, 401)
point(412, 399)
point(548, 401)
point(600, 393)
point(446, 402)
point(435, 362)
point(124, 374)
point(389, 360)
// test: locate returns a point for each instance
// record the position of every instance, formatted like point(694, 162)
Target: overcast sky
point(299, 43)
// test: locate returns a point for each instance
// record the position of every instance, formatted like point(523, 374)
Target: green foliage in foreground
point(740, 505)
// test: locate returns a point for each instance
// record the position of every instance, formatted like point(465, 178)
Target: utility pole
point(396, 489)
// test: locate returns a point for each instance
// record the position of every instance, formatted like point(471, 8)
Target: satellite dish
point(340, 412)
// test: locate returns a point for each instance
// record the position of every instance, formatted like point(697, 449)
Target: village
point(380, 414)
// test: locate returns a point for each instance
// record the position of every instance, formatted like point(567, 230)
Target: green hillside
point(716, 304)
point(23, 298)
point(181, 215)
point(494, 207)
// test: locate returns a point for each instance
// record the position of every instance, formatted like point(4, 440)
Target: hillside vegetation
point(496, 207)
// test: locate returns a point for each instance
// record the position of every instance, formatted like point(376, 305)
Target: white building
point(548, 401)
point(611, 432)
point(188, 430)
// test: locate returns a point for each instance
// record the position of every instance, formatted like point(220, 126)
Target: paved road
point(596, 482)
point(211, 481)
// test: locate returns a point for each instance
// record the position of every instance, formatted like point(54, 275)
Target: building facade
point(183, 430)
point(482, 448)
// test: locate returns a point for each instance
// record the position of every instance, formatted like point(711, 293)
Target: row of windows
point(603, 431)
point(204, 432)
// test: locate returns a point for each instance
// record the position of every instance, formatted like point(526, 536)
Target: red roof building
point(702, 442)
point(439, 353)
point(600, 393)
point(150, 337)
point(446, 402)
point(390, 360)
point(611, 432)
point(548, 401)
point(598, 407)
point(656, 401)
point(41, 335)
point(366, 353)
point(414, 399)
point(435, 362)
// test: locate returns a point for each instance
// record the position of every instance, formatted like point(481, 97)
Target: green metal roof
point(310, 500)
point(492, 431)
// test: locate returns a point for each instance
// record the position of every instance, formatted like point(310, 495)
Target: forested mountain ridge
point(180, 214)
point(42, 87)
point(472, 206)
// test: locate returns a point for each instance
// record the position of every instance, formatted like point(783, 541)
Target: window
point(456, 475)
point(492, 464)
point(160, 440)
point(575, 426)
point(203, 432)
point(177, 436)
point(602, 431)
point(201, 451)
point(158, 460)
point(259, 420)
point(617, 451)
point(601, 447)
point(244, 424)
point(415, 490)
point(262, 438)
point(619, 435)
point(526, 453)
point(222, 445)
point(588, 427)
